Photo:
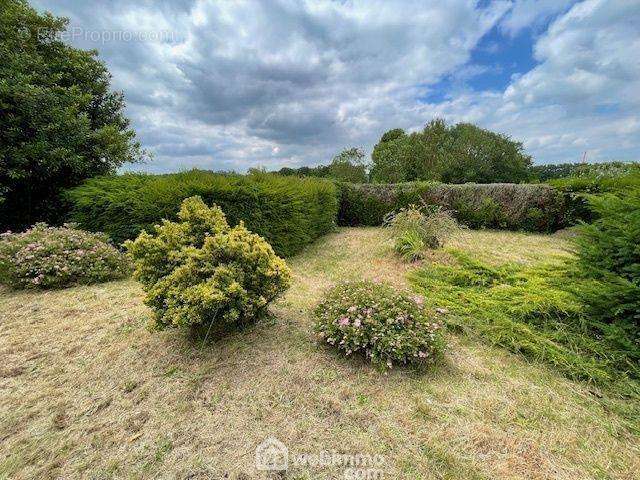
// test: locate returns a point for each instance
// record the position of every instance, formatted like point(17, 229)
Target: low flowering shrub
point(386, 326)
point(199, 271)
point(55, 257)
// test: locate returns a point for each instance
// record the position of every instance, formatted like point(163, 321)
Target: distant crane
point(584, 157)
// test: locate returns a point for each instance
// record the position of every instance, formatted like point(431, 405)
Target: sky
point(235, 84)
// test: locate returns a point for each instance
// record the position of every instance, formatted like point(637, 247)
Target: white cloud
point(584, 95)
point(531, 13)
point(292, 82)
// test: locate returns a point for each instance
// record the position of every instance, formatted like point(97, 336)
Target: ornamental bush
point(199, 271)
point(55, 257)
point(385, 326)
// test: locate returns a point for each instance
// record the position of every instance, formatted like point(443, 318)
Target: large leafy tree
point(59, 121)
point(453, 154)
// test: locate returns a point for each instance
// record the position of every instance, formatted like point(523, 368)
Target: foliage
point(288, 212)
point(374, 320)
point(406, 158)
point(199, 271)
point(410, 245)
point(347, 166)
point(453, 154)
point(609, 250)
point(544, 173)
point(537, 311)
point(416, 228)
point(59, 121)
point(508, 206)
point(49, 257)
point(577, 190)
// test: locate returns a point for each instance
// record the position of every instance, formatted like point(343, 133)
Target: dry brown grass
point(87, 392)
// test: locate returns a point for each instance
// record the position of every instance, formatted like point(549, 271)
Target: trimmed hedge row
point(531, 207)
point(289, 212)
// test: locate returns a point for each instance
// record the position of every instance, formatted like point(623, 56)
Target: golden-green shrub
point(199, 271)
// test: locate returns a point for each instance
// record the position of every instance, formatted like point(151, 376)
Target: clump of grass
point(536, 311)
point(416, 228)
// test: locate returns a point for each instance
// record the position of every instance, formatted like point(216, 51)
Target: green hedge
point(289, 212)
point(577, 189)
point(531, 207)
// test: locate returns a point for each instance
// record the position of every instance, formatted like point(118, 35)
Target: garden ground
point(86, 391)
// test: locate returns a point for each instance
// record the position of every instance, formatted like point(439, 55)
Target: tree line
point(458, 153)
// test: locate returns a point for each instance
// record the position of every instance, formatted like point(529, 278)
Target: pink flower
point(344, 321)
point(352, 309)
point(418, 299)
point(422, 354)
point(357, 322)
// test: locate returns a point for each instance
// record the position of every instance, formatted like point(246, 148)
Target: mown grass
point(86, 391)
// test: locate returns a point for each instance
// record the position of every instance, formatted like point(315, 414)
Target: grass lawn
point(87, 392)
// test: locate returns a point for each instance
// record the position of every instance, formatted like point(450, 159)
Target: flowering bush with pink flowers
point(55, 257)
point(386, 326)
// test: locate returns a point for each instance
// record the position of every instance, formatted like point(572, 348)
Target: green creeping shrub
point(199, 271)
point(374, 320)
point(288, 212)
point(509, 206)
point(56, 257)
point(537, 311)
point(414, 229)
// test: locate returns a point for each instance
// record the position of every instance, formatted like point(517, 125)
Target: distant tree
point(544, 173)
point(481, 156)
point(59, 121)
point(452, 154)
point(257, 170)
point(349, 166)
point(399, 159)
point(287, 171)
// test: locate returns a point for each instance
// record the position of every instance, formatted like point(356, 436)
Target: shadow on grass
point(441, 367)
